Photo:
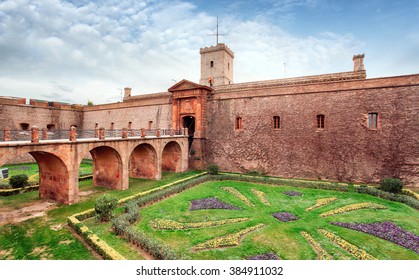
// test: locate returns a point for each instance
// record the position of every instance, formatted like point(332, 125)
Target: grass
point(31, 169)
point(283, 239)
point(48, 237)
point(39, 238)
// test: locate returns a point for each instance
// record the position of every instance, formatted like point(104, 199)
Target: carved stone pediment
point(186, 85)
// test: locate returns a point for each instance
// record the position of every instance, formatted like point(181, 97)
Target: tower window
point(372, 120)
point(320, 121)
point(150, 124)
point(112, 126)
point(212, 63)
point(239, 123)
point(276, 124)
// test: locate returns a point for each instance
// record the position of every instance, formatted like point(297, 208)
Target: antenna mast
point(217, 34)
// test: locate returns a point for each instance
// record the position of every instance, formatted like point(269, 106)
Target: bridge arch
point(143, 162)
point(172, 157)
point(107, 167)
point(54, 179)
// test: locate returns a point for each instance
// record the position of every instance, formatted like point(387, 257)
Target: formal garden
point(196, 215)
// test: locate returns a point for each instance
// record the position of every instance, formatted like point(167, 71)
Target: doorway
point(189, 123)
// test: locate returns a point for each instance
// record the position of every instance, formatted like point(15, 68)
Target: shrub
point(392, 185)
point(104, 207)
point(4, 186)
point(19, 181)
point(213, 169)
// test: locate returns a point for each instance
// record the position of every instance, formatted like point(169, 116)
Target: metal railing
point(34, 135)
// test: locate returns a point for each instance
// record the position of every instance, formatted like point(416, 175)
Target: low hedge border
point(100, 246)
point(282, 181)
point(10, 192)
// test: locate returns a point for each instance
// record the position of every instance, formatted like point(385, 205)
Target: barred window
point(276, 124)
point(239, 123)
point(320, 121)
point(372, 120)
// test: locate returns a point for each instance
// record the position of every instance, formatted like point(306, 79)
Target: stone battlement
point(316, 79)
point(219, 47)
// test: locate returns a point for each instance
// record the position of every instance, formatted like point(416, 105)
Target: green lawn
point(283, 239)
point(31, 169)
point(48, 237)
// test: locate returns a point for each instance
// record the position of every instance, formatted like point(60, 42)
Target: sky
point(78, 50)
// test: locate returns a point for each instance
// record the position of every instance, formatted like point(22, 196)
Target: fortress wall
point(13, 115)
point(159, 113)
point(346, 149)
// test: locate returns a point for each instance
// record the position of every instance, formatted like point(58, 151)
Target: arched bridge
point(114, 161)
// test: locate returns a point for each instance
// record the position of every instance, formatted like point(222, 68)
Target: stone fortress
point(339, 126)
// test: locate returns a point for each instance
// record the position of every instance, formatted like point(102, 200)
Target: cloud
point(78, 50)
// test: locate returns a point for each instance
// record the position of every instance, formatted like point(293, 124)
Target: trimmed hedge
point(406, 199)
point(335, 186)
point(100, 246)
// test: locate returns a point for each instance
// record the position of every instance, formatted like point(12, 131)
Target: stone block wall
point(346, 149)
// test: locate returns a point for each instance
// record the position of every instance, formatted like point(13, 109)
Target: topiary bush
point(213, 169)
point(392, 185)
point(104, 207)
point(19, 181)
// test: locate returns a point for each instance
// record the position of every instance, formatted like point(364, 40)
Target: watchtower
point(216, 65)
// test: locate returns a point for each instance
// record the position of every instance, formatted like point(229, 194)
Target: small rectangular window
point(372, 120)
point(276, 122)
point(212, 64)
point(239, 124)
point(320, 121)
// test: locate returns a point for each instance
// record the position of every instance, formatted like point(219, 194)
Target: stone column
point(101, 133)
point(142, 132)
point(172, 132)
point(131, 132)
point(35, 134)
point(124, 133)
point(44, 134)
point(96, 133)
point(73, 133)
point(158, 132)
point(7, 134)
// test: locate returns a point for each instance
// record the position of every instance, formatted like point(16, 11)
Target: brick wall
point(346, 149)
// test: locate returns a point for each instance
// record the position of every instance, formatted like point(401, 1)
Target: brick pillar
point(124, 133)
point(158, 132)
point(142, 132)
point(7, 134)
point(44, 134)
point(35, 134)
point(101, 133)
point(73, 133)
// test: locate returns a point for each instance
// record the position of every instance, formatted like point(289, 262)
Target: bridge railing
point(34, 134)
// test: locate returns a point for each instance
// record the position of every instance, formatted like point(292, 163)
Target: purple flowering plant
point(211, 203)
point(285, 216)
point(387, 231)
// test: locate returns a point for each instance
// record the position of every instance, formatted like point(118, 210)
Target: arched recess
point(54, 181)
point(172, 157)
point(107, 167)
point(143, 162)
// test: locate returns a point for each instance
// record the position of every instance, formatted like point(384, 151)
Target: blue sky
point(79, 50)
